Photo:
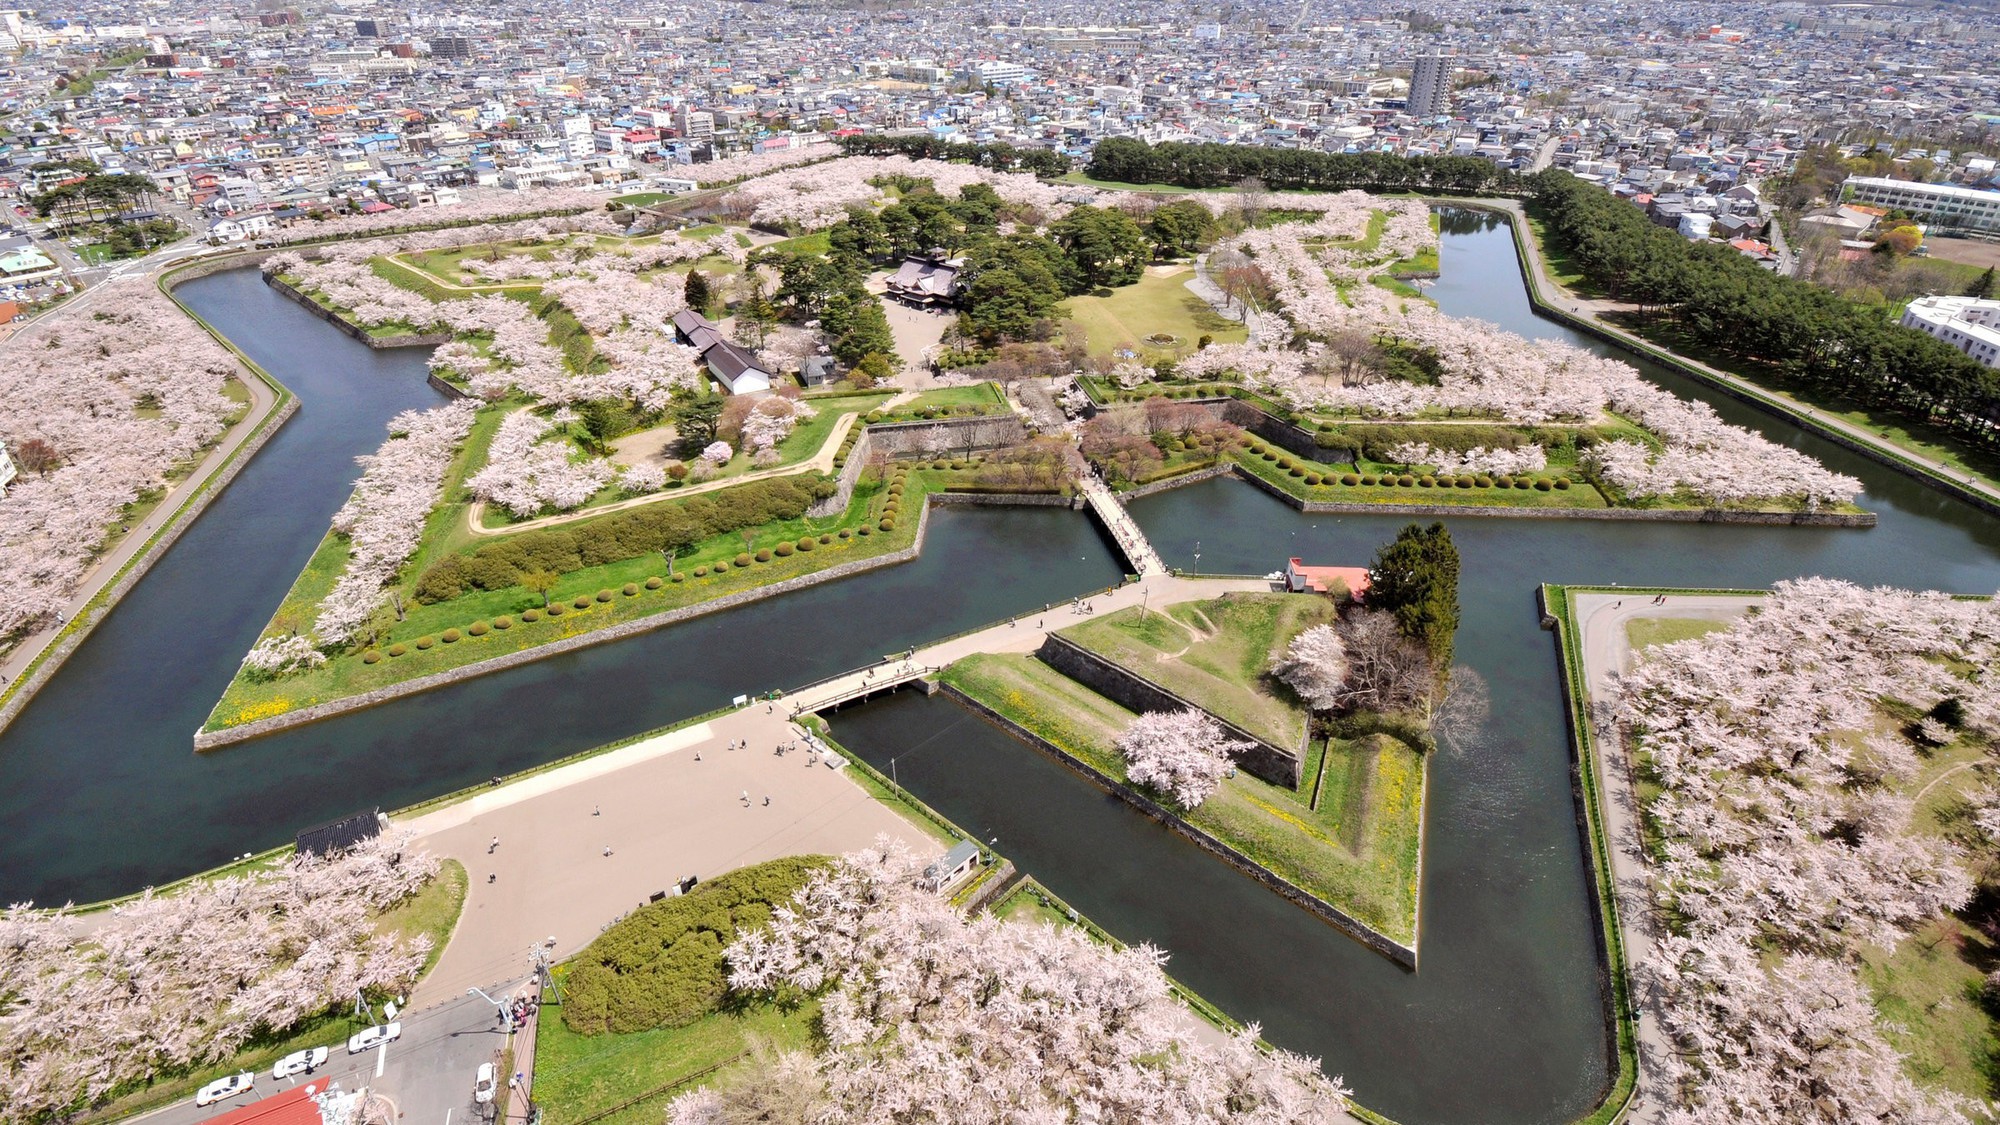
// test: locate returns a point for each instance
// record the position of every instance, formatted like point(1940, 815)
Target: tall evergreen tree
point(1982, 287)
point(1415, 577)
point(696, 290)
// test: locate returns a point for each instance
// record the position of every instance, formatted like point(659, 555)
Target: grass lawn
point(1358, 851)
point(1215, 654)
point(1156, 303)
point(1644, 632)
point(579, 1076)
point(433, 910)
point(1928, 1002)
point(979, 398)
point(642, 198)
point(248, 699)
point(1114, 185)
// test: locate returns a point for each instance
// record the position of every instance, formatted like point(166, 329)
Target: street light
point(506, 1014)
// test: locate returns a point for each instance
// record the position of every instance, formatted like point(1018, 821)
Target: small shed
point(816, 371)
point(1303, 579)
point(954, 865)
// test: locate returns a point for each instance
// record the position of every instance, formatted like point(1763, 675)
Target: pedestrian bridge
point(1132, 542)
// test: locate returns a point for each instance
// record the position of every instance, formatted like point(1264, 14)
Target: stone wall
point(850, 475)
point(904, 439)
point(1177, 480)
point(1134, 692)
point(409, 340)
point(1404, 955)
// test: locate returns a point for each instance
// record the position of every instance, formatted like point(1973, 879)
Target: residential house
point(737, 368)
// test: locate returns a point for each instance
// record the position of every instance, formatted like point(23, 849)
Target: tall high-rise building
point(451, 47)
point(1430, 85)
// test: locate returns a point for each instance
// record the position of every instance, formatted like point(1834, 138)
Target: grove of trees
point(1208, 165)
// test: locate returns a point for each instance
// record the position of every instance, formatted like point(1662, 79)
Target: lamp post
point(506, 1016)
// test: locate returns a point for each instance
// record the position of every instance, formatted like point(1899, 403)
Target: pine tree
point(1415, 577)
point(1982, 287)
point(697, 292)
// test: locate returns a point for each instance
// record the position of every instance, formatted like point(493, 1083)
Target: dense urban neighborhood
point(851, 561)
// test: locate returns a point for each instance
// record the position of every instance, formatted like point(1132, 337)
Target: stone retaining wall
point(1404, 955)
point(410, 340)
point(52, 658)
point(1177, 480)
point(1008, 499)
point(850, 475)
point(210, 740)
point(1134, 692)
point(993, 431)
point(1640, 515)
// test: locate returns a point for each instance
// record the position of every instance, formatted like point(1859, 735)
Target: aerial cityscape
point(851, 561)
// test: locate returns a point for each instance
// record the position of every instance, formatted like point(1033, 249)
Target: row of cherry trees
point(1788, 840)
point(1321, 288)
point(929, 1017)
point(383, 519)
point(821, 195)
point(111, 400)
point(525, 474)
point(170, 982)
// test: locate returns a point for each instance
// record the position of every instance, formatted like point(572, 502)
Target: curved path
point(1592, 311)
point(143, 538)
point(1607, 653)
point(820, 462)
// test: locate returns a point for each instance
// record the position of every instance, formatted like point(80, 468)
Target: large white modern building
point(1430, 85)
point(1941, 205)
point(1966, 323)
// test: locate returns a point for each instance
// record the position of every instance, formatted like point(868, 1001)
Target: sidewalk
point(1592, 310)
point(140, 537)
point(1601, 639)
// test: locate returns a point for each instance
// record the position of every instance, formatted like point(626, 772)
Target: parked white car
point(298, 1062)
point(482, 1084)
point(222, 1089)
point(374, 1037)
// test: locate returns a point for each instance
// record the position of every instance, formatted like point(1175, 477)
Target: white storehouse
point(1966, 323)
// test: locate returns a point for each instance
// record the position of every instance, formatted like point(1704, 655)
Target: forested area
point(1764, 322)
point(1123, 160)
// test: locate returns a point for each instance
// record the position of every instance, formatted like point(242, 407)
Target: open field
point(1215, 654)
point(1158, 303)
point(581, 1076)
point(1358, 850)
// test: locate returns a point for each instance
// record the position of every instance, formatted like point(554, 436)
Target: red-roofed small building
point(1303, 579)
point(300, 1105)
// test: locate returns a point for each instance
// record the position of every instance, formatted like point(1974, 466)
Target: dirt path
point(821, 462)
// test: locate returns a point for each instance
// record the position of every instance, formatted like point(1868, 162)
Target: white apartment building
point(1941, 205)
point(1430, 85)
point(1966, 323)
point(578, 139)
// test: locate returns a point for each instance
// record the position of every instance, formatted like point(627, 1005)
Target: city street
point(427, 1073)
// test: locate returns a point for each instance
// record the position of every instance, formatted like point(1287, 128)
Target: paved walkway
point(821, 462)
point(1601, 621)
point(1138, 550)
point(1594, 310)
point(105, 570)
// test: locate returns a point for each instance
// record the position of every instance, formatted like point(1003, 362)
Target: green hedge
point(662, 965)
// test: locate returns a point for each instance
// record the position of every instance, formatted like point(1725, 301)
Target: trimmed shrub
point(846, 533)
point(1312, 478)
point(1406, 480)
point(1543, 485)
point(1523, 482)
point(1268, 455)
point(1446, 480)
point(678, 577)
point(784, 550)
point(450, 636)
point(1483, 482)
point(1349, 479)
point(371, 657)
point(655, 582)
point(582, 601)
point(555, 609)
point(1295, 471)
point(864, 530)
point(1463, 482)
point(503, 622)
point(701, 572)
point(1426, 482)
point(477, 629)
point(531, 615)
point(721, 566)
point(1562, 484)
point(823, 540)
point(743, 559)
point(1368, 479)
point(397, 650)
point(764, 555)
point(940, 464)
point(888, 524)
point(425, 642)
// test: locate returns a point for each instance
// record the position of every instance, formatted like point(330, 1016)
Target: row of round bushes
point(786, 549)
point(926, 413)
point(1311, 476)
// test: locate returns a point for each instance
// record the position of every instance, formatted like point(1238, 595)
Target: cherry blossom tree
point(986, 1022)
point(1315, 665)
point(717, 454)
point(173, 981)
point(1183, 754)
point(525, 474)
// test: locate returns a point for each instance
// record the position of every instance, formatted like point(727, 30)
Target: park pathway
point(1607, 654)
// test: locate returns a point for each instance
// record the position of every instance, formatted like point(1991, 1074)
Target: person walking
point(494, 846)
